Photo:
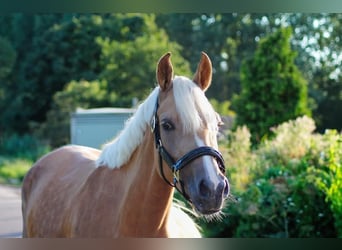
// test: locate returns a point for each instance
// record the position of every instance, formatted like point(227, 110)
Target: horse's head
point(185, 128)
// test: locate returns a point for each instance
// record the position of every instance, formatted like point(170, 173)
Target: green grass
point(13, 170)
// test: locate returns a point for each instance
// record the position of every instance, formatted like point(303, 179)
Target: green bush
point(12, 171)
point(330, 174)
point(289, 186)
point(17, 154)
point(22, 146)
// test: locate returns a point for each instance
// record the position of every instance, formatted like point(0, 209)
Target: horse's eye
point(167, 125)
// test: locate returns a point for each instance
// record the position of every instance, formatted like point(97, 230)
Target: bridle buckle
point(153, 124)
point(175, 176)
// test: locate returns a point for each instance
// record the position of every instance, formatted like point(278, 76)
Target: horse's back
point(58, 175)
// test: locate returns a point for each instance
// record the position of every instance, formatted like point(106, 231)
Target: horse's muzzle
point(210, 200)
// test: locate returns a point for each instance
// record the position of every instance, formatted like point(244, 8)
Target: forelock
point(193, 107)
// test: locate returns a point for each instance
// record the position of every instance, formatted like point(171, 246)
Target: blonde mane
point(192, 106)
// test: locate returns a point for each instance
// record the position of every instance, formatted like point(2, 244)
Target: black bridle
point(178, 165)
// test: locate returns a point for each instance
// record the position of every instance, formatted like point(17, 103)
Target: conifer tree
point(273, 89)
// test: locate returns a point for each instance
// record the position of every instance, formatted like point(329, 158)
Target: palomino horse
point(127, 189)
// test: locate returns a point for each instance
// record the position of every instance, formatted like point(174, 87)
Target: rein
point(178, 165)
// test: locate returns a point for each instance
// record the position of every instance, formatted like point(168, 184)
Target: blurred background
point(277, 83)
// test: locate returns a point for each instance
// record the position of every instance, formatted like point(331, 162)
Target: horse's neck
point(149, 198)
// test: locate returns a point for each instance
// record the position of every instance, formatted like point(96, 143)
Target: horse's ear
point(204, 72)
point(164, 72)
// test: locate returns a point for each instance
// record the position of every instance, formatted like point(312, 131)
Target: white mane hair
point(117, 152)
point(192, 106)
point(196, 113)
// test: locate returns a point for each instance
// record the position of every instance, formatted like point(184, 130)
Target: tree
point(7, 57)
point(85, 94)
point(317, 40)
point(48, 48)
point(127, 65)
point(77, 47)
point(7, 61)
point(328, 93)
point(227, 38)
point(54, 49)
point(273, 89)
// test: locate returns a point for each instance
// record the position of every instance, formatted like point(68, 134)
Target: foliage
point(320, 63)
point(229, 38)
point(46, 51)
point(75, 94)
point(223, 108)
point(74, 47)
point(295, 134)
point(17, 153)
point(13, 171)
point(22, 146)
point(7, 60)
point(127, 71)
point(293, 187)
point(330, 176)
point(222, 37)
point(236, 150)
point(273, 89)
point(129, 67)
point(7, 57)
point(328, 93)
point(54, 49)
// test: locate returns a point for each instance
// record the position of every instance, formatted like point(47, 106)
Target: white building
point(94, 127)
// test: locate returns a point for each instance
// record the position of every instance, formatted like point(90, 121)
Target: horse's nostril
point(204, 190)
point(226, 188)
point(221, 190)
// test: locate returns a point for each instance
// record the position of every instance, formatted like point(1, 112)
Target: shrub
point(22, 146)
point(238, 156)
point(330, 174)
point(17, 154)
point(12, 171)
point(294, 186)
